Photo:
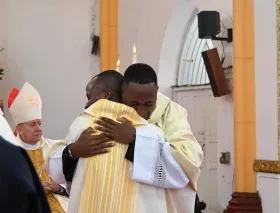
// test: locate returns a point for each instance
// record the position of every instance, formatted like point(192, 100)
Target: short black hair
point(109, 79)
point(141, 74)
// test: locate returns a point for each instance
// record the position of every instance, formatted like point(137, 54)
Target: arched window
point(192, 70)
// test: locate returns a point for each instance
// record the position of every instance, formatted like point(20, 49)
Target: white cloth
point(74, 189)
point(5, 130)
point(55, 167)
point(149, 198)
point(27, 105)
point(153, 162)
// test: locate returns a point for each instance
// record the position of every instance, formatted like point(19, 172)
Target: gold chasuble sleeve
point(102, 183)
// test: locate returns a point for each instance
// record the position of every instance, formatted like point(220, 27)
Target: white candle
point(134, 56)
point(118, 65)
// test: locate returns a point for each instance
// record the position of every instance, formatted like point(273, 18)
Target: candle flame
point(134, 49)
point(118, 63)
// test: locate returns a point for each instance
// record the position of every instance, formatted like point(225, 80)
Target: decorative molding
point(278, 70)
point(267, 166)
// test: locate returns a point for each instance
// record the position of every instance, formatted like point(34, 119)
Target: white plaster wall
point(143, 23)
point(3, 37)
point(177, 27)
point(174, 37)
point(266, 79)
point(176, 31)
point(148, 24)
point(225, 130)
point(268, 186)
point(48, 44)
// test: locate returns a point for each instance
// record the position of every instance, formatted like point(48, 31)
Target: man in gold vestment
point(111, 184)
point(25, 107)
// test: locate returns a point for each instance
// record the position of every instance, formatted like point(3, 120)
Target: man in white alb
point(155, 182)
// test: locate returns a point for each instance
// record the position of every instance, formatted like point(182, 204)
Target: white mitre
point(25, 105)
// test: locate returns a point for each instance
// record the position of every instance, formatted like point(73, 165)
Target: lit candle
point(134, 56)
point(118, 65)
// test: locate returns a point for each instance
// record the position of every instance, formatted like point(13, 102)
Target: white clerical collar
point(30, 146)
point(27, 146)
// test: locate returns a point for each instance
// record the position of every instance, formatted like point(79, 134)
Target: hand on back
point(89, 144)
point(123, 132)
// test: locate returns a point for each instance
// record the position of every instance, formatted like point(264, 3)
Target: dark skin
point(123, 132)
point(141, 97)
point(91, 92)
point(51, 186)
point(88, 88)
point(89, 144)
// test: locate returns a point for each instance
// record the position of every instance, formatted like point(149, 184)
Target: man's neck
point(116, 99)
point(31, 143)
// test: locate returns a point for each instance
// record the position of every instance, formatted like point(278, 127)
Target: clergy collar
point(27, 146)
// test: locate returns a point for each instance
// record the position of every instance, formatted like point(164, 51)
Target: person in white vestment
point(5, 129)
point(159, 189)
point(140, 91)
point(25, 107)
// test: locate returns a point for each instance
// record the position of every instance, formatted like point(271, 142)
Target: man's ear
point(108, 94)
point(18, 129)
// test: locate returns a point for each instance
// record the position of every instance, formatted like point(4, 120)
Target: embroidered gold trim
point(267, 166)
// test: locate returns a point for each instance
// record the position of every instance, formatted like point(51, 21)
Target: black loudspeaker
point(215, 72)
point(208, 24)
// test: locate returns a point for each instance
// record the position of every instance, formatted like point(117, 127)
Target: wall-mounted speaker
point(208, 24)
point(215, 72)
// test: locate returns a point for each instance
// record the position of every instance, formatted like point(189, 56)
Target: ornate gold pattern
point(34, 102)
point(37, 159)
point(267, 166)
point(278, 70)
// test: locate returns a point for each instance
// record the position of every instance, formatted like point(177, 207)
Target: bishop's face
point(30, 132)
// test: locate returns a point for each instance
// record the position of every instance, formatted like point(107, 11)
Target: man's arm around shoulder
point(82, 142)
